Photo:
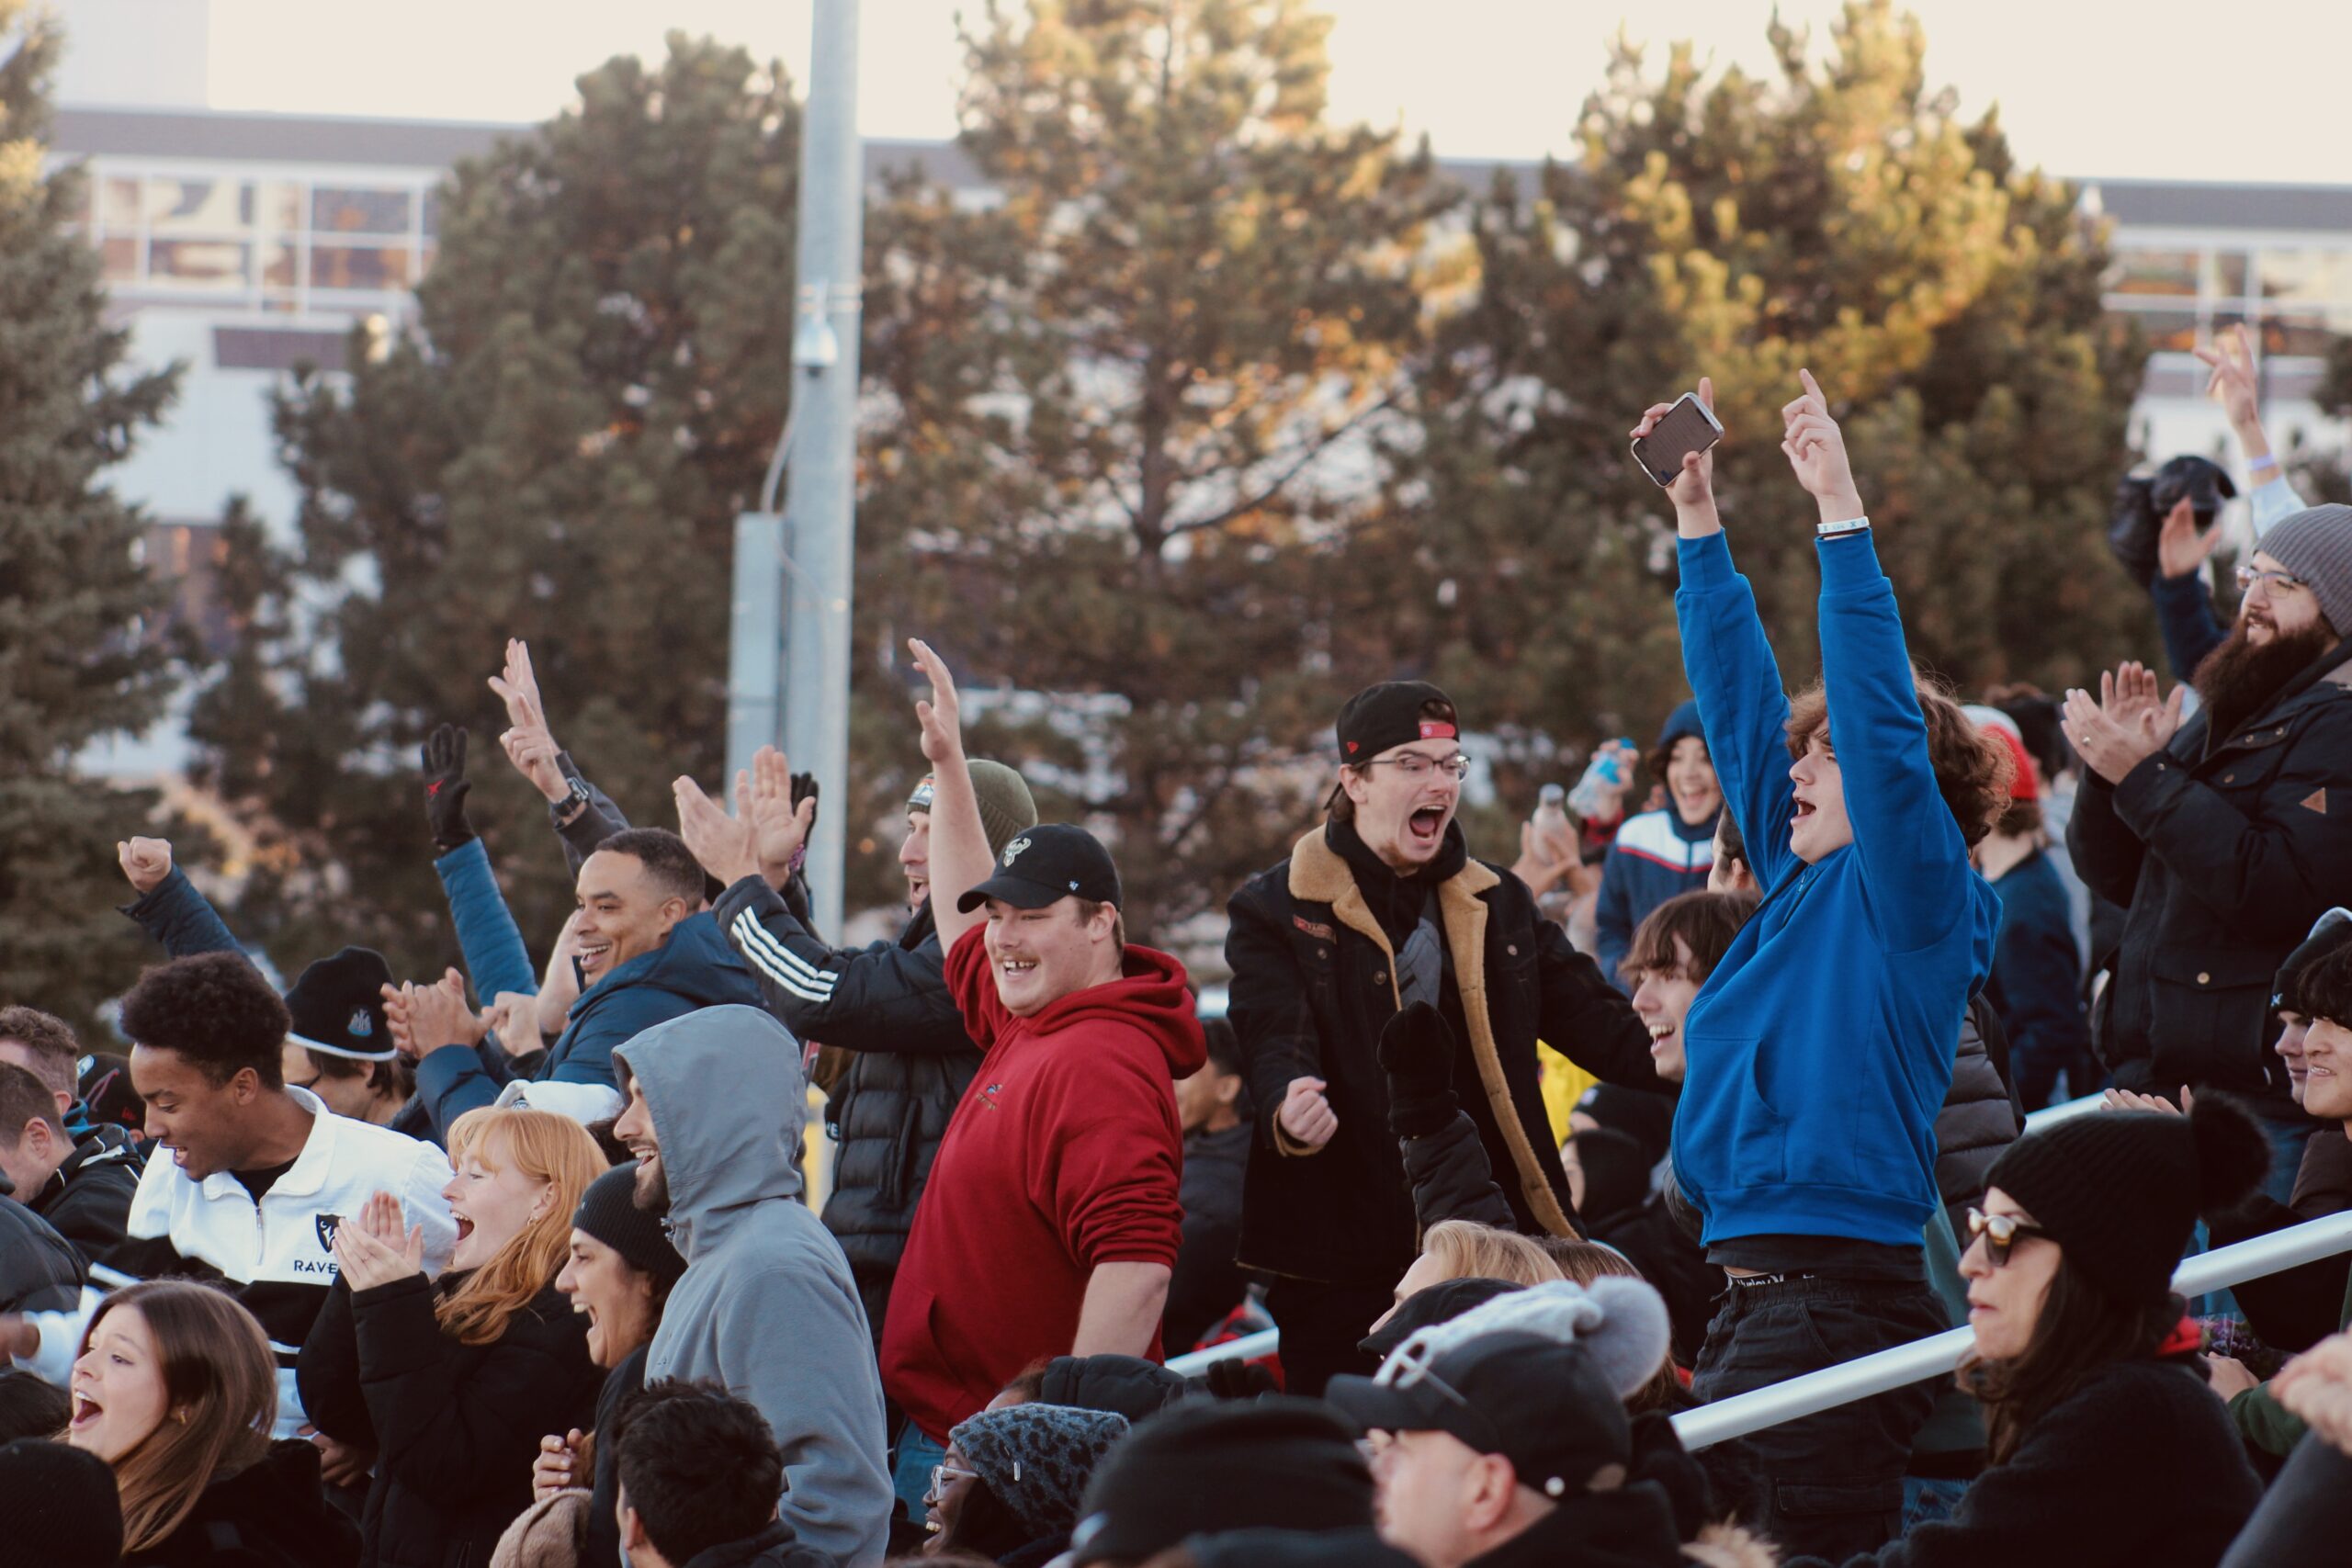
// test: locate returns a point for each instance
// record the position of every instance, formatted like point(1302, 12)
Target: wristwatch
point(567, 811)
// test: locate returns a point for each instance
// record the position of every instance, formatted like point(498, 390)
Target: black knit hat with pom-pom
point(2121, 1190)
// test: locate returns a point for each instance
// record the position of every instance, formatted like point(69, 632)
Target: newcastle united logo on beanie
point(337, 1006)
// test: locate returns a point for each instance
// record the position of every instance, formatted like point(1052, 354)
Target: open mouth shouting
point(86, 1413)
point(1426, 827)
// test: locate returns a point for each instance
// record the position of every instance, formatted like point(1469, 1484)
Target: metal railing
point(1906, 1364)
point(2050, 1115)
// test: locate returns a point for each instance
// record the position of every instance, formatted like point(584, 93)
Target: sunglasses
point(1999, 1233)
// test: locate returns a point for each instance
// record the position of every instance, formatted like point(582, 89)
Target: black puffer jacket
point(88, 1198)
point(2225, 852)
point(272, 1514)
point(1980, 1117)
point(39, 1271)
point(454, 1427)
point(1313, 985)
point(889, 1004)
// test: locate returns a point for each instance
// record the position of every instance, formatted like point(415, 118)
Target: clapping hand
point(722, 843)
point(146, 862)
point(780, 826)
point(530, 744)
point(2126, 1099)
point(1816, 452)
point(2181, 546)
point(373, 1247)
point(559, 1464)
point(2125, 724)
point(941, 717)
point(436, 1015)
point(1695, 485)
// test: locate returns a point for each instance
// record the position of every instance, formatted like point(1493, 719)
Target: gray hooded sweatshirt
point(767, 1306)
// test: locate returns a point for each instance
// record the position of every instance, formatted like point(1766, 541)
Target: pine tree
point(81, 650)
point(1134, 498)
point(556, 451)
point(1838, 215)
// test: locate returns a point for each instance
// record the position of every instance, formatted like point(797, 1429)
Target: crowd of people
point(515, 1264)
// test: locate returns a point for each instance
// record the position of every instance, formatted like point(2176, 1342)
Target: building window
point(346, 211)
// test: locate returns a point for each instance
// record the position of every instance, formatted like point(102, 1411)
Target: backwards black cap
point(1049, 862)
point(337, 1006)
point(1543, 1405)
point(1395, 713)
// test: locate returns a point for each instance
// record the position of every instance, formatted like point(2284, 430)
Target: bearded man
point(2226, 836)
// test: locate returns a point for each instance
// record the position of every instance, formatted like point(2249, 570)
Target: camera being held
point(2143, 502)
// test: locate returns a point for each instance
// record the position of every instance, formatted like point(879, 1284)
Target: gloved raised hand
point(1417, 1053)
point(446, 786)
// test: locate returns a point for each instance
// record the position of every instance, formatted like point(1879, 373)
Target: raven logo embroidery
point(2315, 801)
point(325, 1225)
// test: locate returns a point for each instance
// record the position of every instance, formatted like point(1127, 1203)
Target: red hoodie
point(1065, 1153)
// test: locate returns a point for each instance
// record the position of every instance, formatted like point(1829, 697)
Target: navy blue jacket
point(1655, 856)
point(1821, 1048)
point(694, 968)
point(2037, 986)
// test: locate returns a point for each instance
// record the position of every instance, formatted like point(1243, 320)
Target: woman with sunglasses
point(2104, 1444)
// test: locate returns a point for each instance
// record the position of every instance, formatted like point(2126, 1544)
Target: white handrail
point(2066, 1111)
point(1908, 1364)
point(1249, 1348)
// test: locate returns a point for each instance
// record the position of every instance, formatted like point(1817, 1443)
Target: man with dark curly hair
point(700, 1477)
point(249, 1176)
point(1820, 1049)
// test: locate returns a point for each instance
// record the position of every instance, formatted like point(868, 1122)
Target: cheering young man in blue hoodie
point(1821, 1047)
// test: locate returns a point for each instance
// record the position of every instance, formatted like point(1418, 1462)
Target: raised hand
point(941, 717)
point(1816, 452)
point(2180, 548)
point(2236, 381)
point(528, 742)
point(1695, 485)
point(146, 862)
point(782, 816)
point(443, 763)
point(396, 1020)
point(1537, 865)
point(722, 843)
point(514, 1017)
point(1306, 1115)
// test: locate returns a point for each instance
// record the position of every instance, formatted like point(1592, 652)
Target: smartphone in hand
point(1689, 426)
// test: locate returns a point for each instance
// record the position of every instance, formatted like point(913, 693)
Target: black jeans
point(1321, 1324)
point(1829, 1484)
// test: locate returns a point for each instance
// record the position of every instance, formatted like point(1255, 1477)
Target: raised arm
point(496, 960)
point(2236, 381)
point(959, 843)
point(169, 906)
point(1915, 861)
point(1730, 666)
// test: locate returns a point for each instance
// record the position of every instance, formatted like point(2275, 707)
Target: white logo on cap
point(1012, 850)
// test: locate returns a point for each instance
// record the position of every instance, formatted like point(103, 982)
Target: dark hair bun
point(2233, 1156)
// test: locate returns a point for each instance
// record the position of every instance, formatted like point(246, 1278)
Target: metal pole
point(822, 481)
point(755, 630)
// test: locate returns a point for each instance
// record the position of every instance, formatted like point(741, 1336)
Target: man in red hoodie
point(1051, 1220)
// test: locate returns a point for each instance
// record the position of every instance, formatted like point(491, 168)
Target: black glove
point(445, 787)
point(804, 787)
point(1233, 1378)
point(1417, 1053)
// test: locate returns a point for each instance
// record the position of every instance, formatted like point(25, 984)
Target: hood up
point(1149, 995)
point(727, 1097)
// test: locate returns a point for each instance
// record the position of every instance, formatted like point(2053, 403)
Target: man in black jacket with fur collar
point(1380, 907)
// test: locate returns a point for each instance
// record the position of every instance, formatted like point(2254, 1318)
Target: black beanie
point(1276, 1463)
point(58, 1507)
point(1616, 1172)
point(2121, 1190)
point(608, 1212)
point(2331, 932)
point(1122, 1385)
point(1441, 1303)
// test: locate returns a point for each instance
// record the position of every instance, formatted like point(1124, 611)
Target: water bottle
point(1603, 781)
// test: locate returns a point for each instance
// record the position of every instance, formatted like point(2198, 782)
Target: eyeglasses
point(1999, 1233)
point(1413, 765)
point(2273, 581)
point(940, 1473)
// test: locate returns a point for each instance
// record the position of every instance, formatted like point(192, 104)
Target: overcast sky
point(2254, 90)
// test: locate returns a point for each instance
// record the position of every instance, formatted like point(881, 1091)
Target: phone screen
point(1687, 428)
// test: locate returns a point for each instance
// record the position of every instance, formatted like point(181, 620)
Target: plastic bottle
point(1603, 780)
point(1552, 817)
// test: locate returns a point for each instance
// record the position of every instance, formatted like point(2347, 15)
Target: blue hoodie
point(1821, 1047)
point(693, 968)
point(1657, 855)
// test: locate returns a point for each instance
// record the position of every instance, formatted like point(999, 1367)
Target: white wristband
point(1840, 530)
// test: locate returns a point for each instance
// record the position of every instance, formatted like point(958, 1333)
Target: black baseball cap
point(1395, 713)
point(1046, 865)
point(337, 1006)
point(1441, 1303)
point(1541, 1402)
